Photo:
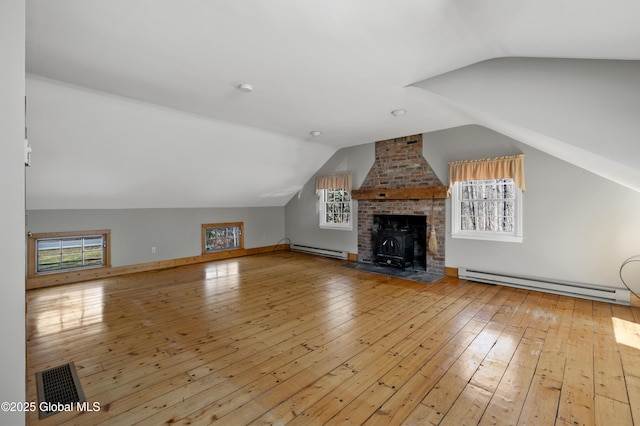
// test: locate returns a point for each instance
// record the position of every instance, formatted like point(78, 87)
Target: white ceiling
point(331, 65)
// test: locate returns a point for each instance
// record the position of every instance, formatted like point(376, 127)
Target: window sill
point(487, 237)
point(337, 228)
point(69, 270)
point(222, 250)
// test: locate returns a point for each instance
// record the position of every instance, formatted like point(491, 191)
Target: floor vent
point(58, 390)
point(585, 291)
point(338, 254)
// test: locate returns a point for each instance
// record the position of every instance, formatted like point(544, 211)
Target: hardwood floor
point(289, 338)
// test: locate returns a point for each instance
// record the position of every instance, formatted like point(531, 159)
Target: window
point(222, 236)
point(335, 209)
point(487, 209)
point(486, 198)
point(334, 201)
point(64, 251)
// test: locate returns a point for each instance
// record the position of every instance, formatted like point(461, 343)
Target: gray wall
point(301, 212)
point(12, 302)
point(577, 226)
point(175, 233)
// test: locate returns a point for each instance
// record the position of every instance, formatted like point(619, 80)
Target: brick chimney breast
point(398, 164)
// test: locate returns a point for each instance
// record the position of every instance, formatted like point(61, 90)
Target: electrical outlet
point(153, 250)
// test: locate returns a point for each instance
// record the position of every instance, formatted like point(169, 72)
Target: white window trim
point(456, 232)
point(322, 214)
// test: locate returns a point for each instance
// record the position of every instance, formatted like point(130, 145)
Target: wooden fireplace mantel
point(401, 193)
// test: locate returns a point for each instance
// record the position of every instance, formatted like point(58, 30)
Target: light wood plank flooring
point(289, 338)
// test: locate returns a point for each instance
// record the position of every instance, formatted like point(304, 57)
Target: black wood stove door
point(395, 248)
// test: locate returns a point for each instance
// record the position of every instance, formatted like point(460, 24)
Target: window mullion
point(61, 246)
point(82, 244)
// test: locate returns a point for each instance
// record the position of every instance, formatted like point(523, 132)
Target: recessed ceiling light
point(245, 88)
point(315, 133)
point(397, 112)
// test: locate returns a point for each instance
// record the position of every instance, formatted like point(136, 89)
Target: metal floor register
point(58, 387)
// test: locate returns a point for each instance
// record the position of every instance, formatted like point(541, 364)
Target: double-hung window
point(335, 208)
point(486, 199)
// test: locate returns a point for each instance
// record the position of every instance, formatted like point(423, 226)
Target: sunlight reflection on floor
point(214, 277)
point(218, 270)
point(76, 308)
point(627, 332)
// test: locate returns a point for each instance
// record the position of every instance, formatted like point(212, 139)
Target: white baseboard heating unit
point(586, 291)
point(338, 254)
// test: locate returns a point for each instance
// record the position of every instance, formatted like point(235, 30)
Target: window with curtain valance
point(334, 205)
point(486, 198)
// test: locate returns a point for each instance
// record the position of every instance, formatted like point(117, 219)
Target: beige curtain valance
point(488, 168)
point(334, 182)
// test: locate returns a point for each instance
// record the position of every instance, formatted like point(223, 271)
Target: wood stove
point(399, 240)
point(395, 248)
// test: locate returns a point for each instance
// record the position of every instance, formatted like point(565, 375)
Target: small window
point(65, 251)
point(335, 209)
point(487, 209)
point(222, 236)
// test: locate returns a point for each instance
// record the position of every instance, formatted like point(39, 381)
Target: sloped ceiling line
point(581, 111)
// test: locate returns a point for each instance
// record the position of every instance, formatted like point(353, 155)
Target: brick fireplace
point(399, 167)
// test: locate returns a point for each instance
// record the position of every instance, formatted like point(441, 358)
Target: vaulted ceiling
point(339, 67)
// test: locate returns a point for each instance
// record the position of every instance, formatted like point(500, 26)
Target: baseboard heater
point(586, 291)
point(338, 254)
